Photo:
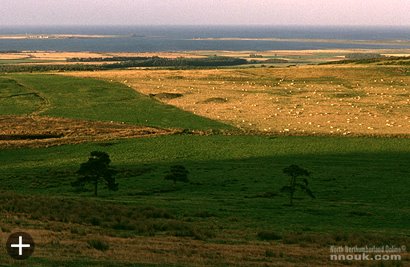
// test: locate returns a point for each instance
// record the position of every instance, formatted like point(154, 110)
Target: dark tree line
point(104, 59)
point(181, 62)
point(135, 62)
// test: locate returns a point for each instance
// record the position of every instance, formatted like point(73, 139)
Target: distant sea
point(181, 38)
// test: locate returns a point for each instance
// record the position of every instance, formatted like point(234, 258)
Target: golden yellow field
point(63, 56)
point(318, 100)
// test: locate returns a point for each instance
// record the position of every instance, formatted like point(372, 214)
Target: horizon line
point(210, 25)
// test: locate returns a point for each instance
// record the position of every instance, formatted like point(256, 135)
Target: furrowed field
point(232, 211)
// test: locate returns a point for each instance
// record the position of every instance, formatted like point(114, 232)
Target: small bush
point(267, 235)
point(269, 253)
point(4, 229)
point(166, 95)
point(204, 214)
point(95, 221)
point(151, 212)
point(215, 100)
point(339, 237)
point(360, 213)
point(197, 233)
point(144, 227)
point(123, 225)
point(78, 231)
point(98, 244)
point(307, 238)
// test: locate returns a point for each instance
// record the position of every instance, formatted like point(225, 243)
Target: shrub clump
point(98, 244)
point(268, 235)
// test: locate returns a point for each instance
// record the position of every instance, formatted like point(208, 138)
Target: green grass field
point(89, 99)
point(23, 61)
point(230, 175)
point(17, 99)
point(233, 197)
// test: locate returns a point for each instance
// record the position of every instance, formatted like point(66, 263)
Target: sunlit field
point(345, 100)
point(234, 129)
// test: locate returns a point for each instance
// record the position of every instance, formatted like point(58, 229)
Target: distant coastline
point(177, 38)
point(55, 36)
point(303, 40)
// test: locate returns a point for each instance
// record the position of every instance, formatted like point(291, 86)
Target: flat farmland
point(355, 100)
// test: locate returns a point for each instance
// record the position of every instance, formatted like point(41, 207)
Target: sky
point(205, 12)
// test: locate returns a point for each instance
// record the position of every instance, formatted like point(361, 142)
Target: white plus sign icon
point(20, 245)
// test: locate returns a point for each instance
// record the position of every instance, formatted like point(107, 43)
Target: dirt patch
point(215, 100)
point(29, 136)
point(161, 96)
point(38, 131)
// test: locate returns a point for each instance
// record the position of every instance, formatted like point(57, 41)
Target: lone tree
point(177, 173)
point(97, 170)
point(294, 171)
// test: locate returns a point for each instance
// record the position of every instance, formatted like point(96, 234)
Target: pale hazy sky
point(205, 12)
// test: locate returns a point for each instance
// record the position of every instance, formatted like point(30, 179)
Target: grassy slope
point(16, 99)
point(364, 175)
point(98, 100)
